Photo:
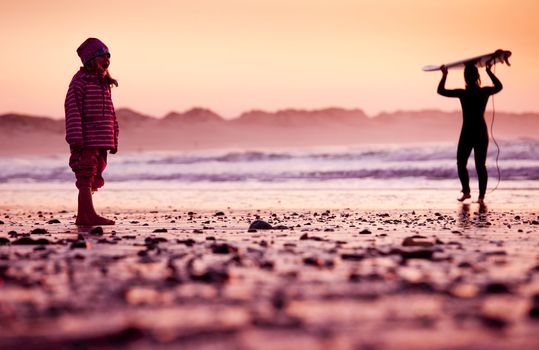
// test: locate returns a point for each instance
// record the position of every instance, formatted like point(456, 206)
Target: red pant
point(88, 165)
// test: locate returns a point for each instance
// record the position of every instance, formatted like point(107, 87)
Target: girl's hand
point(444, 70)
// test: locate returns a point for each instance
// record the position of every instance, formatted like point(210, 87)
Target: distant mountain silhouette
point(21, 123)
point(128, 117)
point(194, 115)
point(303, 118)
point(201, 128)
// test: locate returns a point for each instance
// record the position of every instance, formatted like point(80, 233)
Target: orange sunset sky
point(236, 55)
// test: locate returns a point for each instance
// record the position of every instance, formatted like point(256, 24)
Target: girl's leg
point(98, 180)
point(86, 169)
point(463, 153)
point(480, 155)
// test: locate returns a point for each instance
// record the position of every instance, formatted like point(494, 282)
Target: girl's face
point(102, 62)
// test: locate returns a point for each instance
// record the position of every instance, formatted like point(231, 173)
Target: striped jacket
point(90, 116)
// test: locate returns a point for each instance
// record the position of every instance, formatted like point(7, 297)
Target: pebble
point(97, 231)
point(30, 241)
point(313, 261)
point(154, 240)
point(496, 288)
point(417, 254)
point(260, 225)
point(534, 309)
point(188, 242)
point(305, 236)
point(79, 244)
point(494, 322)
point(39, 231)
point(416, 241)
point(352, 257)
point(223, 249)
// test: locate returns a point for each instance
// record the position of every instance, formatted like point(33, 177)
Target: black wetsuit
point(474, 133)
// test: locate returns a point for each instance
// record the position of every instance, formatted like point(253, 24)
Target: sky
point(233, 56)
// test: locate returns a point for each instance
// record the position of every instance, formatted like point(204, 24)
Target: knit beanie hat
point(90, 49)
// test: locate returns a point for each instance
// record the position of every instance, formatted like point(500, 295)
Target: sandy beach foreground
point(372, 279)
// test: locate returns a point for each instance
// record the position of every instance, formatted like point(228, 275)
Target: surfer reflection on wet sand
point(481, 219)
point(474, 133)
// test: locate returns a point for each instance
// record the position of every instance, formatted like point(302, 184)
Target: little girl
point(91, 126)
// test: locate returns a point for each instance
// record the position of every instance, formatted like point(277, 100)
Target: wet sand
point(320, 279)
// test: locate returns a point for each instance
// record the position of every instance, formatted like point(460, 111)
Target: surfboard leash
point(495, 142)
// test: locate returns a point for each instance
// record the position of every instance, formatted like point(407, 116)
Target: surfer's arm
point(446, 92)
point(497, 83)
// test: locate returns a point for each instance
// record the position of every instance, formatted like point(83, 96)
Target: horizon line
point(296, 109)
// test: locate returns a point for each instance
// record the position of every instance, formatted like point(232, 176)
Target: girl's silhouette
point(474, 133)
point(91, 126)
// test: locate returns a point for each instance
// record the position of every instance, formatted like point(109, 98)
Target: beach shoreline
point(340, 279)
point(143, 197)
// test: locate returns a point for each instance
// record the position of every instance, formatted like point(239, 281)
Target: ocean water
point(357, 176)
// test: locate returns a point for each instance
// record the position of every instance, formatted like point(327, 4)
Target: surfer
point(474, 132)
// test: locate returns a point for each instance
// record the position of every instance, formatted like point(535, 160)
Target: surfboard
point(498, 56)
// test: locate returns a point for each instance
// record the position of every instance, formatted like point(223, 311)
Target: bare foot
point(481, 200)
point(86, 215)
point(464, 197)
point(93, 221)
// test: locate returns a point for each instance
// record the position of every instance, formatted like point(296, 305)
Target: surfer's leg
point(464, 197)
point(463, 153)
point(480, 155)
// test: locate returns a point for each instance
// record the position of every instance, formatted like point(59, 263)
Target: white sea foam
point(518, 161)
